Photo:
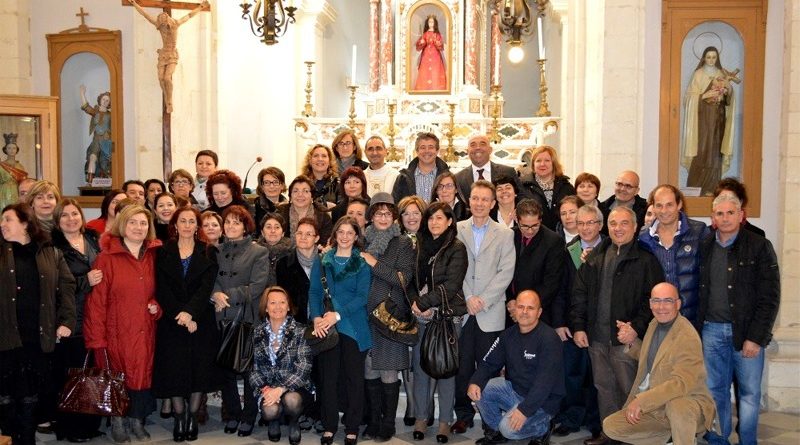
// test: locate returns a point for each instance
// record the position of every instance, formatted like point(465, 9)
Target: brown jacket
point(57, 297)
point(678, 370)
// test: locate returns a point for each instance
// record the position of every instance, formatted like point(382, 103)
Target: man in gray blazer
point(490, 250)
point(479, 150)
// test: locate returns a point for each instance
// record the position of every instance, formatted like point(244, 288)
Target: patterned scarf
point(275, 339)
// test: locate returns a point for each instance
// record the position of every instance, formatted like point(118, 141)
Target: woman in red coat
point(121, 313)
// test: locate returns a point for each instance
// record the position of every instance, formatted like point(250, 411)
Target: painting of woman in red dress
point(431, 72)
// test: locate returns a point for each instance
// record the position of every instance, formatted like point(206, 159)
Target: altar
point(461, 99)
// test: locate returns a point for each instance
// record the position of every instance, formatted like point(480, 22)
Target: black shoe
point(294, 434)
point(409, 421)
point(179, 428)
point(191, 427)
point(231, 426)
point(326, 440)
point(245, 429)
point(419, 435)
point(491, 437)
point(442, 438)
point(563, 430)
point(273, 430)
point(351, 440)
point(545, 439)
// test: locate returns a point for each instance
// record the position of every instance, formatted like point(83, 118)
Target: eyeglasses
point(657, 301)
point(587, 223)
point(622, 185)
point(345, 143)
point(383, 214)
point(446, 187)
point(527, 227)
point(180, 182)
point(272, 183)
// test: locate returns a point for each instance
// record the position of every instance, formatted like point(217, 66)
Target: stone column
point(387, 34)
point(495, 52)
point(783, 361)
point(374, 46)
point(15, 78)
point(472, 43)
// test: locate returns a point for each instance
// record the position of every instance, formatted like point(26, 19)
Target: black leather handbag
point(236, 351)
point(439, 346)
point(322, 344)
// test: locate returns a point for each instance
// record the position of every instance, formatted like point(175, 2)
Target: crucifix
point(167, 57)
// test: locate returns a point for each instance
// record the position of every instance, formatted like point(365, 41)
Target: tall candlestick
point(497, 64)
point(541, 37)
point(353, 67)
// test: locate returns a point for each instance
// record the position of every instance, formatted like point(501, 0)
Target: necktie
point(480, 174)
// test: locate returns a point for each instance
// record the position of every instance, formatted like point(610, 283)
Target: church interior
point(601, 81)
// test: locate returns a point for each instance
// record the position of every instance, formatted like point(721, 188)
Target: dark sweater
point(534, 366)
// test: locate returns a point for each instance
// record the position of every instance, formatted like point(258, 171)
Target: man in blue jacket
point(520, 405)
point(675, 240)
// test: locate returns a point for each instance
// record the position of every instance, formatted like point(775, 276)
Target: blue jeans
point(498, 399)
point(722, 361)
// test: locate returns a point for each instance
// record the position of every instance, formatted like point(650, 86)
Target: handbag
point(395, 321)
point(439, 346)
point(236, 351)
point(322, 344)
point(95, 391)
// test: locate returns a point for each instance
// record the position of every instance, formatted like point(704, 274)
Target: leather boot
point(27, 427)
point(119, 430)
point(408, 386)
point(8, 414)
point(374, 394)
point(391, 393)
point(191, 427)
point(138, 431)
point(179, 427)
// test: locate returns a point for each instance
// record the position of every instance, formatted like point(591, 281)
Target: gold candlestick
point(495, 136)
point(393, 155)
point(308, 110)
point(450, 155)
point(543, 108)
point(352, 115)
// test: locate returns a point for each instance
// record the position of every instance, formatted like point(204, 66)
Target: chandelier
point(516, 21)
point(268, 19)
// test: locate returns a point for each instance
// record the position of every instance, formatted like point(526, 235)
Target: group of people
point(623, 315)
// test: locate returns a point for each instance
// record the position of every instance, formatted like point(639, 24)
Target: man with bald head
point(479, 150)
point(669, 396)
point(521, 404)
point(626, 194)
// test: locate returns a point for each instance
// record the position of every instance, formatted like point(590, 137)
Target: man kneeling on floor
point(521, 405)
point(669, 395)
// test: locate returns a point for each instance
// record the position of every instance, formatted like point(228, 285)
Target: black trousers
point(231, 401)
point(579, 406)
point(472, 346)
point(342, 366)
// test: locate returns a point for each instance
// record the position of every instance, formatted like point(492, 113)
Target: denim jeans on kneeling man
point(497, 401)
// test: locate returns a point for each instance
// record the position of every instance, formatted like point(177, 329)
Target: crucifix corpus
point(167, 57)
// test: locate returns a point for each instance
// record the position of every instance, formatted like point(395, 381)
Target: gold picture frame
point(416, 59)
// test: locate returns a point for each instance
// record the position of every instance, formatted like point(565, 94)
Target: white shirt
point(380, 180)
point(487, 172)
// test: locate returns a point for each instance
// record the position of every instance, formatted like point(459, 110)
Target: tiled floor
point(774, 429)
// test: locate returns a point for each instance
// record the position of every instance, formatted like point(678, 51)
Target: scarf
point(378, 240)
point(275, 338)
point(306, 262)
point(295, 217)
point(547, 188)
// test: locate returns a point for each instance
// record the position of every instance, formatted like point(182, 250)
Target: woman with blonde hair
point(43, 198)
point(320, 167)
point(121, 312)
point(546, 181)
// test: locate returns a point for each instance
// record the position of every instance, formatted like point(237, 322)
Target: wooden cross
point(167, 6)
point(82, 15)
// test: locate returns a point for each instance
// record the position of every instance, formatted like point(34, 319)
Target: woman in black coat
point(546, 181)
point(293, 270)
point(186, 337)
point(80, 247)
point(441, 267)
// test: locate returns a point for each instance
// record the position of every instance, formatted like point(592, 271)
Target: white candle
point(541, 37)
point(497, 64)
point(353, 68)
point(389, 73)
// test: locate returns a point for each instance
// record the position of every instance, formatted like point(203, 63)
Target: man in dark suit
point(540, 260)
point(479, 150)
